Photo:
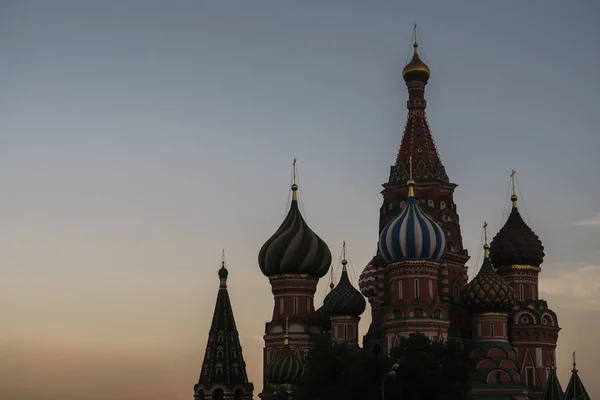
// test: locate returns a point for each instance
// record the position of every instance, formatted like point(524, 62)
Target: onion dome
point(344, 299)
point(287, 367)
point(223, 273)
point(488, 291)
point(367, 282)
point(294, 248)
point(516, 243)
point(412, 235)
point(416, 69)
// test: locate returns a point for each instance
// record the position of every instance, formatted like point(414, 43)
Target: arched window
point(492, 330)
point(400, 296)
point(308, 304)
point(200, 394)
point(345, 331)
point(455, 294)
point(219, 369)
point(281, 305)
point(417, 288)
point(220, 338)
point(295, 305)
point(431, 288)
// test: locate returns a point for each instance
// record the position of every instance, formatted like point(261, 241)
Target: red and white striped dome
point(367, 282)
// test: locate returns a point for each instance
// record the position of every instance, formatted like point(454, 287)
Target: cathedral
point(417, 282)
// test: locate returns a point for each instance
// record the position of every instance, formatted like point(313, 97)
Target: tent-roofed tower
point(435, 194)
point(553, 390)
point(575, 389)
point(223, 375)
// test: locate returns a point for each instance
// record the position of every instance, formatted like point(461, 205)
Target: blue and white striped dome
point(412, 235)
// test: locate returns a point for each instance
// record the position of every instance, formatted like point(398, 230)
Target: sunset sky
point(139, 138)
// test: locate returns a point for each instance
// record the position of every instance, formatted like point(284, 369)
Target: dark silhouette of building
point(223, 375)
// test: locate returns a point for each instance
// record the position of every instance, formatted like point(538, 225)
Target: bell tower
point(432, 188)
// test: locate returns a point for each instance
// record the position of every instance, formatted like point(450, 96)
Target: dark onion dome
point(488, 291)
point(287, 367)
point(294, 248)
point(344, 299)
point(367, 282)
point(516, 243)
point(412, 235)
point(223, 273)
point(416, 69)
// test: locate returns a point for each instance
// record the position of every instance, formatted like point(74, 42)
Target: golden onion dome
point(416, 69)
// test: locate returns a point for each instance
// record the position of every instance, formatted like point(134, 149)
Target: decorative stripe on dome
point(412, 235)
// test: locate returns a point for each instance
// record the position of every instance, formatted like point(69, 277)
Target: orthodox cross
point(415, 33)
point(294, 169)
point(512, 178)
point(485, 225)
point(223, 258)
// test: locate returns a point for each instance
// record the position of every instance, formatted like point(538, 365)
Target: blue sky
point(139, 138)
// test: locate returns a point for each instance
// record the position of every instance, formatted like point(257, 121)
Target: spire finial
point(294, 185)
point(415, 44)
point(514, 197)
point(344, 261)
point(574, 363)
point(286, 336)
point(486, 246)
point(223, 273)
point(411, 183)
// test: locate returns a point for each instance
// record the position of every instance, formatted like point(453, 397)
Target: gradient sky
point(139, 138)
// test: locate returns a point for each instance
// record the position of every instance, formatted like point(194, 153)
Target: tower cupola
point(488, 291)
point(294, 248)
point(416, 69)
point(412, 235)
point(287, 367)
point(344, 299)
point(516, 243)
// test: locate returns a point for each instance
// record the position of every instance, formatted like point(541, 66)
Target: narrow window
point(345, 331)
point(308, 304)
point(416, 288)
point(521, 293)
point(529, 376)
point(455, 293)
point(281, 305)
point(295, 305)
point(492, 330)
point(479, 328)
point(400, 290)
point(431, 288)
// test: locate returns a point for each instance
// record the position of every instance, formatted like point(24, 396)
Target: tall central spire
point(417, 141)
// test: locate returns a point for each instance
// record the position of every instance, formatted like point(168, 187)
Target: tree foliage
point(426, 370)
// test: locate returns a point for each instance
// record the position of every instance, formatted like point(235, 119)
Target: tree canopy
point(425, 370)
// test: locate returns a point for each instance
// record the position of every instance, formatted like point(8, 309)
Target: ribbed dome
point(412, 235)
point(286, 368)
point(488, 291)
point(344, 299)
point(367, 282)
point(416, 69)
point(294, 248)
point(516, 243)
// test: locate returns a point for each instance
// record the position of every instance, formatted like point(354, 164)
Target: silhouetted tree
point(426, 371)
